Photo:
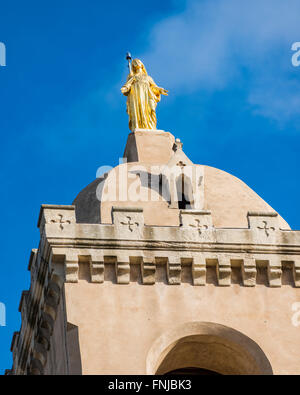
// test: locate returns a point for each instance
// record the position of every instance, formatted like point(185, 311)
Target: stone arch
point(209, 346)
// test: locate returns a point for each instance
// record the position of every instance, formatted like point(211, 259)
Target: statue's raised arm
point(142, 97)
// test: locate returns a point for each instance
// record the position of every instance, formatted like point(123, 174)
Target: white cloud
point(212, 42)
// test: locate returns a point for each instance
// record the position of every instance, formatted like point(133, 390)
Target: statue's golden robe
point(142, 98)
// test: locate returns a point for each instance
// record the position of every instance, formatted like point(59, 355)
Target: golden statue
point(142, 96)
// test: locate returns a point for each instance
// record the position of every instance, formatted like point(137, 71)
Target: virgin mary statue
point(142, 97)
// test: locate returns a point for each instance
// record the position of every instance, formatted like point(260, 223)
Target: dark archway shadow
point(192, 372)
point(73, 348)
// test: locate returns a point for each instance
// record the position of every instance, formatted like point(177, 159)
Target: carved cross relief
point(60, 221)
point(131, 224)
point(266, 228)
point(198, 226)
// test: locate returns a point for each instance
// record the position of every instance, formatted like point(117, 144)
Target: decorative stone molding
point(128, 226)
point(71, 267)
point(148, 270)
point(199, 270)
point(38, 307)
point(97, 267)
point(46, 324)
point(255, 219)
point(173, 270)
point(198, 261)
point(249, 272)
point(223, 271)
point(274, 272)
point(122, 270)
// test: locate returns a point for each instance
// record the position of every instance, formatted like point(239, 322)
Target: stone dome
point(139, 182)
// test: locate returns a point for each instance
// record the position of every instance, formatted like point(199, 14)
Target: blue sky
point(234, 101)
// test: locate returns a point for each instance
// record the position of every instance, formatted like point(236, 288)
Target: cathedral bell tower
point(161, 265)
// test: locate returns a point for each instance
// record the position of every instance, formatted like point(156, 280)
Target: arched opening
point(184, 193)
point(206, 348)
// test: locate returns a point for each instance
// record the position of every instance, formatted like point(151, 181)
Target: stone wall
point(127, 284)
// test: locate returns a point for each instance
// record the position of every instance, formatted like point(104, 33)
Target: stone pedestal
point(149, 146)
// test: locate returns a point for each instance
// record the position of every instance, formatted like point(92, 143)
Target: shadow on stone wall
point(74, 356)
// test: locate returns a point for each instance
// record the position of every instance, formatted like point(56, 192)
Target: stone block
point(264, 225)
point(71, 268)
point(149, 146)
point(249, 272)
point(123, 272)
point(60, 218)
point(224, 271)
point(97, 268)
point(274, 272)
point(199, 270)
point(174, 270)
point(128, 220)
point(148, 269)
point(199, 220)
